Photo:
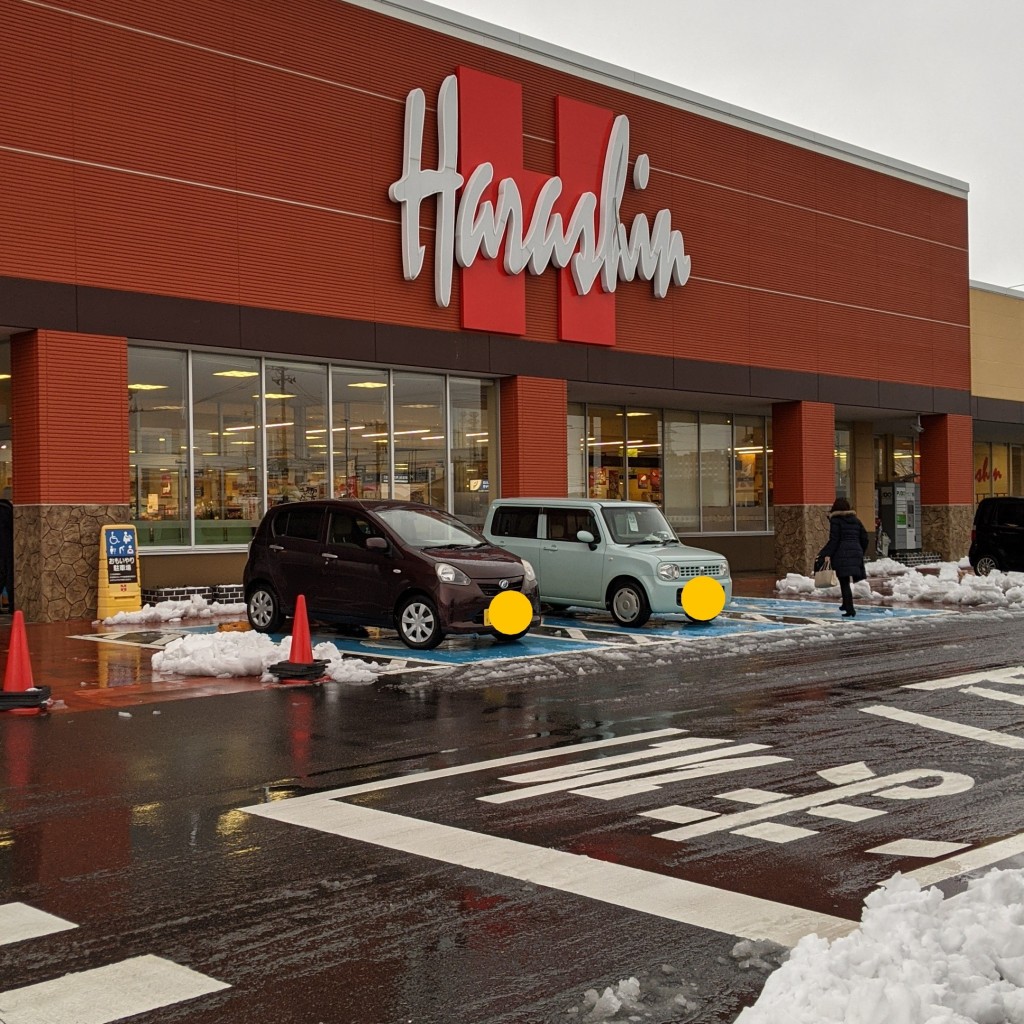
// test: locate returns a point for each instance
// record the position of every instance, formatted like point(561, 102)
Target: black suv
point(997, 540)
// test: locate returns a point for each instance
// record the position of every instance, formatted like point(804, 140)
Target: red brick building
point(251, 250)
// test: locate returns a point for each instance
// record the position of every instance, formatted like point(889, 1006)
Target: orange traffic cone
point(301, 667)
point(20, 693)
point(301, 652)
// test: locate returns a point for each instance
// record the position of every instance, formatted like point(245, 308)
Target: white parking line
point(632, 888)
point(19, 921)
point(970, 732)
point(1014, 676)
point(106, 994)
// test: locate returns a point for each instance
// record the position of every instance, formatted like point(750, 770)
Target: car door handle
point(327, 554)
point(550, 547)
point(276, 547)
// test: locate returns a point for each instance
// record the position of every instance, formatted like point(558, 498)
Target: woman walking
point(847, 542)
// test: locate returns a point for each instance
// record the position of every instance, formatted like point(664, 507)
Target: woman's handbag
point(825, 576)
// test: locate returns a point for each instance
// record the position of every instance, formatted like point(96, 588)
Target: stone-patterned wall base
point(56, 558)
point(800, 533)
point(946, 529)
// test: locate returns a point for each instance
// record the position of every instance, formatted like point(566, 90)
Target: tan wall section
point(997, 345)
point(191, 570)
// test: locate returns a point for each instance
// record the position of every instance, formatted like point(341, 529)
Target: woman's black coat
point(847, 542)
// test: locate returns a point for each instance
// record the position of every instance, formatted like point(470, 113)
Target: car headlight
point(528, 574)
point(450, 574)
point(668, 571)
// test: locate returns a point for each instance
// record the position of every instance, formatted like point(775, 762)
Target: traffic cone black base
point(303, 667)
point(299, 671)
point(36, 698)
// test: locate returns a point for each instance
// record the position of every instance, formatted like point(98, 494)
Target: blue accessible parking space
point(578, 629)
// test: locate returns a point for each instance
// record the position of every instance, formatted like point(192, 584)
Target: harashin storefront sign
point(489, 206)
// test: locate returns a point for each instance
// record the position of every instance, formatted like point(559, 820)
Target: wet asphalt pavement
point(479, 846)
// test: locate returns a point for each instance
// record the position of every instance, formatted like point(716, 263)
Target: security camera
point(916, 426)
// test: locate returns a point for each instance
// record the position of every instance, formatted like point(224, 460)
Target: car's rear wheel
point(985, 565)
point(628, 603)
point(263, 609)
point(419, 625)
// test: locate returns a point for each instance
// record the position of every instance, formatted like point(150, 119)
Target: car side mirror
point(586, 537)
point(376, 544)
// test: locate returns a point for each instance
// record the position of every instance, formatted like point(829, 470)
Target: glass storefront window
point(844, 460)
point(605, 462)
point(359, 432)
point(577, 441)
point(420, 437)
point(474, 453)
point(227, 427)
point(682, 471)
point(297, 446)
point(749, 468)
point(905, 458)
point(643, 455)
point(992, 470)
point(158, 446)
point(716, 475)
point(387, 436)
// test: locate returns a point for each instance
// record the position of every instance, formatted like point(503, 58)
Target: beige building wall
point(997, 342)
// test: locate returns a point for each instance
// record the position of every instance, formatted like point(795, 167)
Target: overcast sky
point(935, 83)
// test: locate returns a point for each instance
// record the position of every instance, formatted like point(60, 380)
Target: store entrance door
point(6, 557)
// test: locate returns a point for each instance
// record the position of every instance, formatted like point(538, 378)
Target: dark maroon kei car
point(397, 564)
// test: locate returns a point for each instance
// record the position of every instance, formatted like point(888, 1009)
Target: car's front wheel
point(986, 564)
point(419, 625)
point(507, 638)
point(628, 603)
point(263, 609)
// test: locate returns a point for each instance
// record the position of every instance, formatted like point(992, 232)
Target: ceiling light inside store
point(290, 423)
point(357, 427)
point(369, 384)
point(147, 387)
point(236, 373)
point(419, 430)
point(271, 395)
point(5, 376)
point(432, 437)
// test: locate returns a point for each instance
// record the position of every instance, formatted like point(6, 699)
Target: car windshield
point(429, 528)
point(634, 524)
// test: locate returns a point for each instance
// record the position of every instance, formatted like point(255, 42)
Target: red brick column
point(803, 481)
point(534, 459)
point(69, 440)
point(947, 489)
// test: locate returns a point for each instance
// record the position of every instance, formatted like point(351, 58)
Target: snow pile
point(917, 958)
point(222, 655)
point(195, 607)
point(662, 996)
point(943, 583)
point(998, 588)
